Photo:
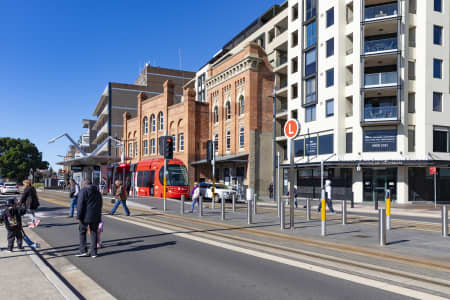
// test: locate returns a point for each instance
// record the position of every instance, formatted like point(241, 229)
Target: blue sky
point(56, 57)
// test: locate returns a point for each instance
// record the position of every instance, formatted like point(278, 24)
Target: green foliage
point(17, 157)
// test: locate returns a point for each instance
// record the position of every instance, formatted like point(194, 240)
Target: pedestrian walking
point(73, 194)
point(89, 215)
point(328, 191)
point(271, 190)
point(295, 196)
point(12, 217)
point(121, 198)
point(195, 195)
point(30, 201)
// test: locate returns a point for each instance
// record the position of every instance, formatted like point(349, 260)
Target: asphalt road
point(139, 263)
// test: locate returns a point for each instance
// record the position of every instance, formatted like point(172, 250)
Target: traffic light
point(168, 147)
point(209, 151)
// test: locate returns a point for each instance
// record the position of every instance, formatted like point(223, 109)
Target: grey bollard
point(182, 205)
point(444, 214)
point(222, 209)
point(254, 204)
point(382, 226)
point(213, 202)
point(249, 212)
point(200, 206)
point(282, 215)
point(344, 212)
point(233, 199)
point(308, 209)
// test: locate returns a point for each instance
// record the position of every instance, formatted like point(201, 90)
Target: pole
point(222, 212)
point(233, 199)
point(249, 211)
point(182, 205)
point(200, 206)
point(444, 221)
point(213, 163)
point(435, 198)
point(165, 184)
point(344, 212)
point(323, 214)
point(388, 210)
point(382, 227)
point(274, 145)
point(278, 185)
point(308, 209)
point(291, 186)
point(282, 215)
point(255, 196)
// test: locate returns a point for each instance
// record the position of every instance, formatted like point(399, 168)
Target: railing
point(380, 45)
point(381, 11)
point(383, 112)
point(377, 79)
point(281, 60)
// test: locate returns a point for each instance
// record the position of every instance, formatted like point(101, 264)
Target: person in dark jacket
point(89, 214)
point(12, 217)
point(30, 201)
point(121, 198)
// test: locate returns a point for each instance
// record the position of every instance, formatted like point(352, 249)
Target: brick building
point(186, 121)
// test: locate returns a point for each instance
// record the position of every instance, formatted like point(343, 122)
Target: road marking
point(325, 271)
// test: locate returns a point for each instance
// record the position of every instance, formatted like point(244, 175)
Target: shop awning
point(90, 161)
point(374, 163)
point(236, 158)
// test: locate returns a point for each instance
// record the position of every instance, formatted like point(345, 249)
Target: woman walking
point(30, 201)
point(195, 195)
point(121, 198)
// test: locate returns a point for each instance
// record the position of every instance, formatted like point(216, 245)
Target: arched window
point(152, 146)
point(161, 121)
point(228, 140)
point(228, 110)
point(241, 137)
point(145, 147)
point(241, 105)
point(145, 125)
point(216, 114)
point(153, 123)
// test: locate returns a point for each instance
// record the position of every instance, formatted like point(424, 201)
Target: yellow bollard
point(323, 216)
point(388, 213)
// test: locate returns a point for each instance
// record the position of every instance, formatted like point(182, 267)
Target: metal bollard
point(249, 212)
point(382, 226)
point(352, 203)
point(344, 212)
point(308, 209)
point(222, 209)
point(164, 204)
point(213, 202)
point(254, 204)
point(323, 214)
point(182, 205)
point(282, 214)
point(444, 221)
point(388, 213)
point(200, 206)
point(233, 199)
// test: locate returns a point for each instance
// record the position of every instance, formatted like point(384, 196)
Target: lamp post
point(274, 153)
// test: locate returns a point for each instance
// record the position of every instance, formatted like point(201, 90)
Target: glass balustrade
point(381, 112)
point(381, 11)
point(380, 79)
point(380, 45)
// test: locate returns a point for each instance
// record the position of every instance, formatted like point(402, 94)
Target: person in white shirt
point(328, 191)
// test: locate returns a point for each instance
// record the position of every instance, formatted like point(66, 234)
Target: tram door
point(151, 183)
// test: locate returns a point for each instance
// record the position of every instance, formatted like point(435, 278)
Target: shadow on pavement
point(139, 248)
point(398, 242)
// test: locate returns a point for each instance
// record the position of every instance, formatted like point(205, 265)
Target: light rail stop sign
point(291, 128)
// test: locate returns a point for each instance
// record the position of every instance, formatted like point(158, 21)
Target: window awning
point(374, 163)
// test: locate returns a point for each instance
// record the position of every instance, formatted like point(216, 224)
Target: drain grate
point(363, 236)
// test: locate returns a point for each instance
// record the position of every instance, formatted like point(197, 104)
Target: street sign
point(291, 128)
point(433, 170)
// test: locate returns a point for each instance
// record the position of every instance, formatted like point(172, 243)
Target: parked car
point(221, 191)
point(9, 188)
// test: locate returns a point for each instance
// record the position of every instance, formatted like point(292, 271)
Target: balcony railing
point(380, 45)
point(281, 85)
point(381, 11)
point(282, 108)
point(383, 112)
point(380, 79)
point(281, 60)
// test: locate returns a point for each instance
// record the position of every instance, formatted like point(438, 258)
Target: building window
point(412, 37)
point(412, 6)
point(145, 147)
point(438, 5)
point(330, 17)
point(201, 88)
point(411, 139)
point(329, 108)
point(135, 149)
point(294, 12)
point(174, 143)
point(411, 70)
point(310, 88)
point(130, 149)
point(161, 121)
point(294, 38)
point(437, 68)
point(216, 115)
point(152, 146)
point(153, 123)
point(437, 101)
point(311, 9)
point(294, 90)
point(330, 77)
point(330, 47)
point(310, 113)
point(412, 103)
point(228, 110)
point(181, 141)
point(294, 65)
point(145, 125)
point(349, 142)
point(437, 35)
point(326, 145)
point(228, 140)
point(310, 62)
point(216, 142)
point(241, 137)
point(311, 34)
point(241, 105)
point(440, 139)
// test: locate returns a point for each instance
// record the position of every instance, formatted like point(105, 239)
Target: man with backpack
point(74, 191)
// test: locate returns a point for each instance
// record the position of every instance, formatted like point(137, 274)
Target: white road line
point(337, 274)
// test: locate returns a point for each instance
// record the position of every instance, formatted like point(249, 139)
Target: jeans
point(124, 205)
point(33, 216)
point(329, 203)
point(195, 200)
point(15, 234)
point(73, 204)
point(83, 227)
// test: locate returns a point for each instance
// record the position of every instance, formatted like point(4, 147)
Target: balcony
point(380, 113)
point(380, 12)
point(380, 46)
point(382, 79)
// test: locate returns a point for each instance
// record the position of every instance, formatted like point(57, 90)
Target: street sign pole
point(213, 163)
point(435, 198)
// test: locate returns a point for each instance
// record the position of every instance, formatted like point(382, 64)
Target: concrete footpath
point(24, 275)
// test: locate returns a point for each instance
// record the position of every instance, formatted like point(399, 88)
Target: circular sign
point(291, 128)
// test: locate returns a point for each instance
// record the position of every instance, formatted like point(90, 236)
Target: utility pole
point(274, 145)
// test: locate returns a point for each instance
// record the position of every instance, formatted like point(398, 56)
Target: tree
point(18, 156)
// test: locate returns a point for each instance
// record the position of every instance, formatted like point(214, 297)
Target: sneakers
point(31, 226)
point(94, 256)
point(10, 250)
point(69, 216)
point(21, 248)
point(37, 223)
point(82, 255)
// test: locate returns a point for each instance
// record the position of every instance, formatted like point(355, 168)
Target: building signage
point(291, 128)
point(76, 168)
point(380, 140)
point(311, 146)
